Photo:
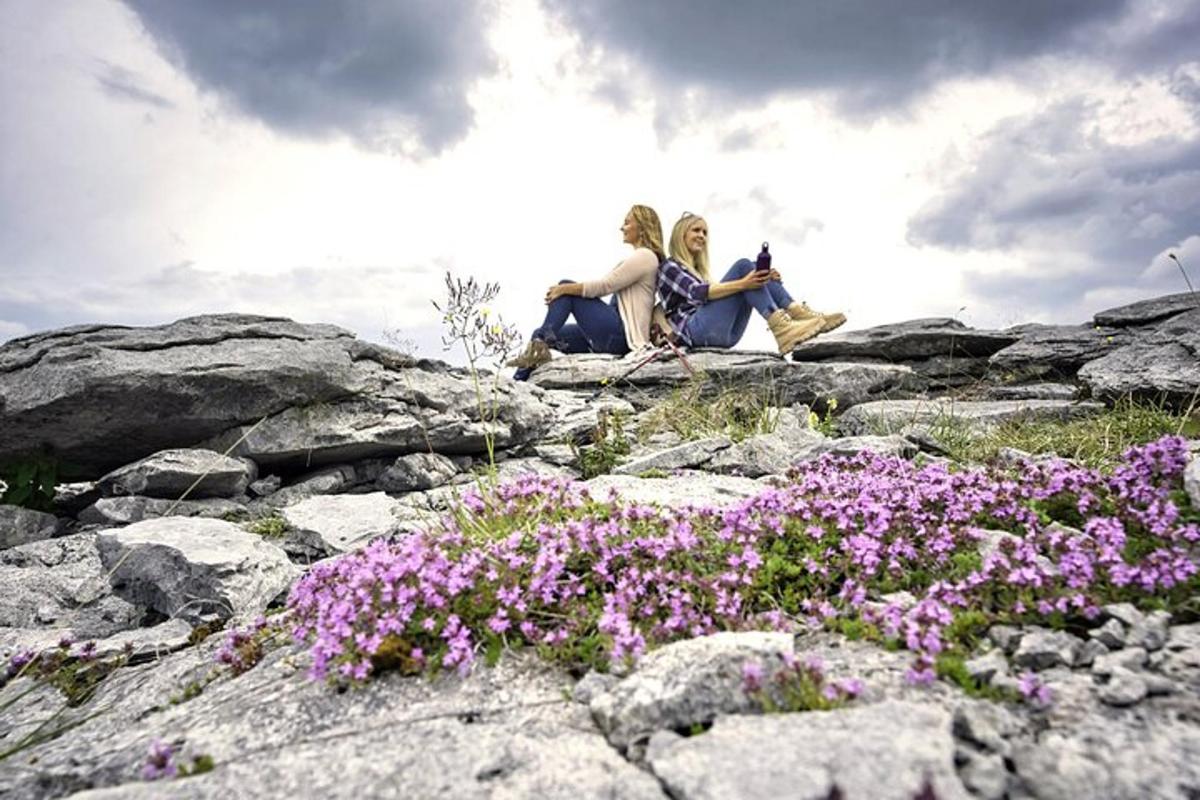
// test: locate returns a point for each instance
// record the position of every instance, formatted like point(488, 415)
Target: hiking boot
point(801, 311)
point(536, 353)
point(790, 332)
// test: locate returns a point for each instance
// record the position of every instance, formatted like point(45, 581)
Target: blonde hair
point(697, 264)
point(649, 230)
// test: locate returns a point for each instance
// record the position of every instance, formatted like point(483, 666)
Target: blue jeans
point(597, 327)
point(721, 323)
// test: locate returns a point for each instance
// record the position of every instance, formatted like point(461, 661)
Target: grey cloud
point(362, 298)
point(1085, 215)
point(870, 56)
point(123, 84)
point(379, 71)
point(1051, 179)
point(776, 218)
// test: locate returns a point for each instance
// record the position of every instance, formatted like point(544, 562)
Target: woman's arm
point(641, 264)
point(752, 280)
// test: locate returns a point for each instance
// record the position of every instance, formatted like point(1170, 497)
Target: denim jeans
point(597, 327)
point(721, 323)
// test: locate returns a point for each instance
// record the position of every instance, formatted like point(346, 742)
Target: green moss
point(653, 473)
point(271, 527)
point(952, 667)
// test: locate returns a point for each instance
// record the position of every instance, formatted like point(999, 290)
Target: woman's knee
point(741, 268)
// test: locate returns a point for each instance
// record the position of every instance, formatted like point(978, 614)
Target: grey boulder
point(194, 568)
point(24, 525)
point(1144, 312)
point(171, 473)
point(416, 472)
point(887, 750)
point(685, 683)
point(894, 416)
point(917, 339)
point(127, 510)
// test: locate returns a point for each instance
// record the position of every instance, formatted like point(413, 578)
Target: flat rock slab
point(882, 751)
point(1120, 758)
point(1162, 362)
point(685, 683)
point(917, 339)
point(1033, 391)
point(1055, 351)
point(60, 584)
point(105, 396)
point(680, 456)
point(402, 412)
point(895, 415)
point(785, 383)
point(1191, 481)
point(190, 567)
point(1144, 312)
point(23, 525)
point(345, 521)
point(170, 473)
point(685, 488)
point(506, 732)
point(128, 510)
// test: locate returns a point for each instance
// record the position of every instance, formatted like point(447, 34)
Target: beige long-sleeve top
point(633, 280)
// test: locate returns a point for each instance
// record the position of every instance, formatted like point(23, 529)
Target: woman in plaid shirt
point(707, 314)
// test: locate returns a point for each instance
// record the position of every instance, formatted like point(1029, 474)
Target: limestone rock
point(127, 510)
point(503, 732)
point(684, 683)
point(407, 412)
point(23, 525)
point(1162, 363)
point(211, 372)
point(60, 584)
point(191, 568)
point(790, 383)
point(985, 667)
point(681, 456)
point(417, 471)
point(1124, 688)
point(343, 522)
point(170, 473)
point(1191, 481)
point(1033, 391)
point(906, 341)
point(892, 416)
point(1130, 658)
point(1111, 634)
point(1041, 649)
point(986, 725)
point(881, 751)
point(1144, 312)
point(1121, 760)
point(685, 488)
point(1049, 351)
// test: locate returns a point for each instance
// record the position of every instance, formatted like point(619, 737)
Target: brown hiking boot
point(790, 332)
point(536, 353)
point(801, 311)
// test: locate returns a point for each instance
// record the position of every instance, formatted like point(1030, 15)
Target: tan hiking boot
point(790, 332)
point(801, 311)
point(536, 353)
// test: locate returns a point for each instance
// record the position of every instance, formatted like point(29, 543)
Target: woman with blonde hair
point(707, 314)
point(618, 326)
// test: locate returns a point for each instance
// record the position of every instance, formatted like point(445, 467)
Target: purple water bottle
point(763, 262)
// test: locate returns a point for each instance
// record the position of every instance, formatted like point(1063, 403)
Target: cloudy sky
point(328, 161)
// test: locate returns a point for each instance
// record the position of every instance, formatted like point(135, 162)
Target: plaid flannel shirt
point(681, 294)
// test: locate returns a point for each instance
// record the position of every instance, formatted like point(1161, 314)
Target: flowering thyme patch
point(588, 581)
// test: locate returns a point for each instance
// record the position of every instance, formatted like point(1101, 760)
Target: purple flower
point(752, 676)
point(160, 762)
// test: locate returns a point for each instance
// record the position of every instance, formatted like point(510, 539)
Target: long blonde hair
point(698, 264)
point(649, 230)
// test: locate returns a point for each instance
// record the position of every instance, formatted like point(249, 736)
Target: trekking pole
point(653, 355)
